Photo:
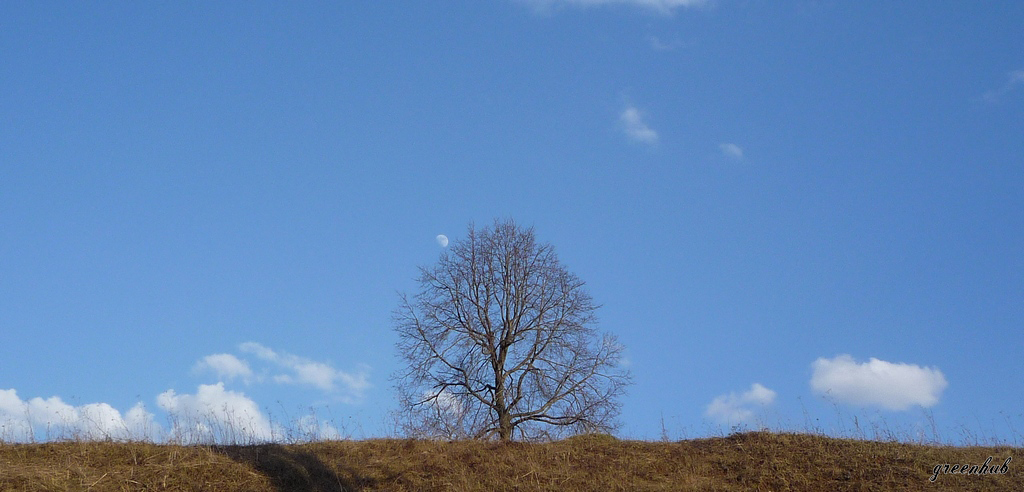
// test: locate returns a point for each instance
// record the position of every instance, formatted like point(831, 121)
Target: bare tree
point(500, 342)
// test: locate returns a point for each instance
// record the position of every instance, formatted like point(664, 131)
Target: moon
point(442, 240)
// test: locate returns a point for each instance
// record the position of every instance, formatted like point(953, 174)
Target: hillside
point(747, 461)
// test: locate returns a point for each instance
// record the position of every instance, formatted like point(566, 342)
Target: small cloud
point(658, 45)
point(663, 6)
point(306, 372)
point(731, 150)
point(225, 366)
point(734, 409)
point(259, 351)
point(635, 127)
point(893, 386)
point(1014, 80)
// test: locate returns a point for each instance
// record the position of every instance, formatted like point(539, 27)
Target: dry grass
point(746, 461)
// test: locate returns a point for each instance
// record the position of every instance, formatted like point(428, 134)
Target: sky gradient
point(792, 213)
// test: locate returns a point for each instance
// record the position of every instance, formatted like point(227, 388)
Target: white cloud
point(658, 45)
point(759, 394)
point(225, 366)
point(894, 386)
point(140, 422)
point(310, 428)
point(214, 414)
point(258, 350)
point(52, 417)
point(15, 424)
point(731, 150)
point(445, 402)
point(303, 371)
point(1015, 79)
point(635, 127)
point(733, 409)
point(664, 6)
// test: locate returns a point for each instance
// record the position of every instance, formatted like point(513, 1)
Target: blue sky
point(793, 213)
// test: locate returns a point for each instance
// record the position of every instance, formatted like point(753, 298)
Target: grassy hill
point(747, 461)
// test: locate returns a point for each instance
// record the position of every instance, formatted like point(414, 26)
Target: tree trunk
point(505, 426)
point(504, 413)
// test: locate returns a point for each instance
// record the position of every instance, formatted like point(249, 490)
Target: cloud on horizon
point(893, 386)
point(214, 414)
point(636, 129)
point(732, 409)
point(53, 418)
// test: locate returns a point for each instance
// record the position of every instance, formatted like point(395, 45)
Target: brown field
point(747, 461)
